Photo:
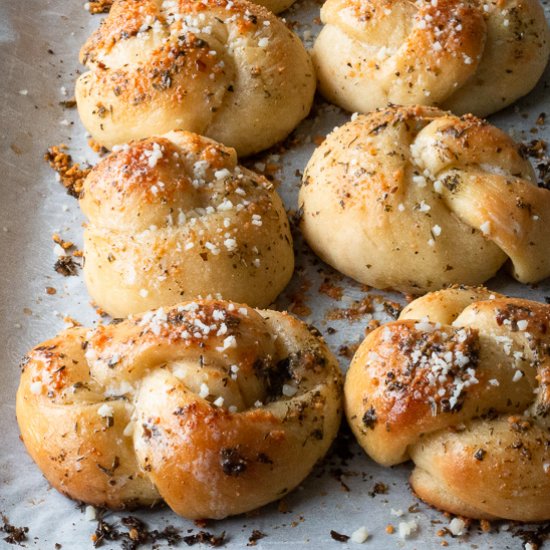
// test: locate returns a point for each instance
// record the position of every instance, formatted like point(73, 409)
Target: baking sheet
point(39, 43)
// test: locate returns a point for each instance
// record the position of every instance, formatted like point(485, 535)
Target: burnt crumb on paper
point(15, 535)
point(68, 103)
point(537, 149)
point(136, 536)
point(255, 537)
point(364, 306)
point(66, 266)
point(338, 474)
point(379, 489)
point(339, 536)
point(534, 537)
point(204, 537)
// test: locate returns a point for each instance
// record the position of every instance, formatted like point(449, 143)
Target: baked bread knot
point(276, 6)
point(227, 69)
point(175, 217)
point(464, 56)
point(413, 198)
point(460, 384)
point(214, 407)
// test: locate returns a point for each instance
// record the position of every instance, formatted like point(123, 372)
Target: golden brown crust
point(461, 55)
point(414, 198)
point(212, 406)
point(465, 396)
point(204, 67)
point(276, 6)
point(175, 216)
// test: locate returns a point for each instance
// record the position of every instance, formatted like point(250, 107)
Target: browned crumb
point(65, 245)
point(201, 523)
point(78, 253)
point(331, 290)
point(101, 312)
point(537, 149)
point(485, 525)
point(68, 103)
point(298, 301)
point(390, 529)
point(372, 324)
point(71, 175)
point(348, 350)
point(361, 307)
point(70, 321)
point(50, 290)
point(96, 147)
point(99, 6)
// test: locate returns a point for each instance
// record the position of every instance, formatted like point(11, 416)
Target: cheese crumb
point(423, 207)
point(518, 375)
point(90, 513)
point(213, 248)
point(457, 527)
point(230, 244)
point(153, 155)
point(407, 528)
point(230, 342)
point(419, 180)
point(485, 227)
point(105, 410)
point(522, 325)
point(222, 174)
point(360, 535)
point(218, 402)
point(289, 391)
